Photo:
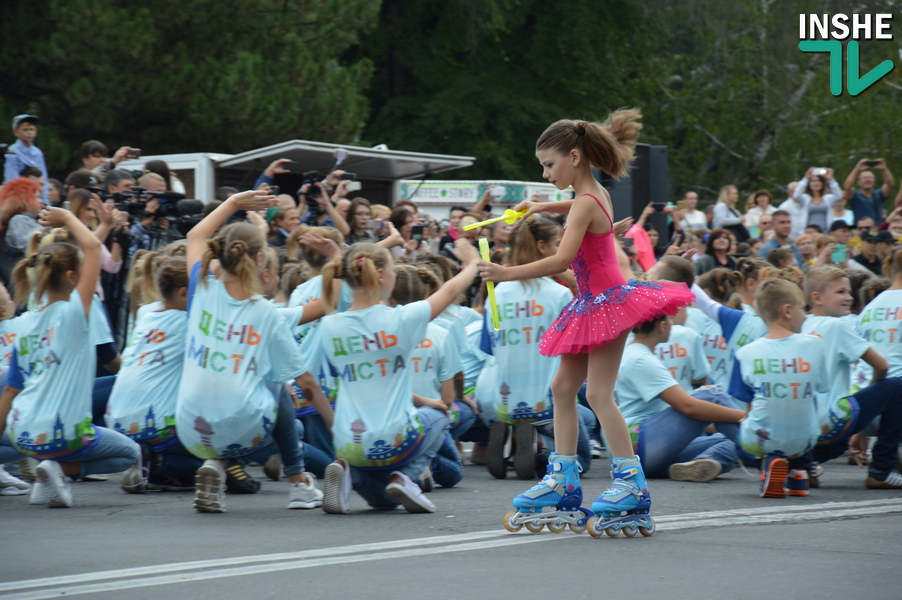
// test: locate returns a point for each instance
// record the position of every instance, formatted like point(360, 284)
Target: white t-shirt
point(781, 378)
point(376, 425)
point(142, 402)
point(434, 360)
point(642, 379)
point(880, 323)
point(306, 334)
point(684, 356)
point(474, 358)
point(715, 345)
point(234, 347)
point(842, 346)
point(517, 389)
point(54, 363)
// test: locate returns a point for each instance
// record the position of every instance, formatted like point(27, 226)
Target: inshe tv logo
point(823, 33)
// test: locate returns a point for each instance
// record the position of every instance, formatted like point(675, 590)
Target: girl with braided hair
point(232, 401)
point(382, 441)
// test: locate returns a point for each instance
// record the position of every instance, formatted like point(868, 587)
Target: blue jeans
point(8, 452)
point(285, 436)
point(478, 433)
point(883, 399)
point(99, 398)
point(318, 450)
point(176, 461)
point(447, 466)
point(671, 437)
point(583, 450)
point(594, 429)
point(112, 453)
point(370, 483)
point(467, 419)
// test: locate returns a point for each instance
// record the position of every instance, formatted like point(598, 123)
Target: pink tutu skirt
point(592, 321)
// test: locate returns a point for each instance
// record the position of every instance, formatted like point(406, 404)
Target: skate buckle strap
point(554, 485)
point(620, 485)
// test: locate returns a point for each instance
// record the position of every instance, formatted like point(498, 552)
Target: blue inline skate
point(559, 489)
point(625, 505)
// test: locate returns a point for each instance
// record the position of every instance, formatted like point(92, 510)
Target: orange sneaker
point(774, 470)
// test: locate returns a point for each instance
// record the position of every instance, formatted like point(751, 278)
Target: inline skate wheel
point(534, 527)
point(577, 528)
point(648, 531)
point(612, 532)
point(592, 527)
point(556, 526)
point(509, 522)
point(631, 531)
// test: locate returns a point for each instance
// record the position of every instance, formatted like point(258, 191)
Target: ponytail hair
point(414, 283)
point(892, 264)
point(172, 275)
point(720, 284)
point(358, 266)
point(311, 256)
point(610, 145)
point(235, 247)
point(45, 271)
point(293, 275)
point(526, 236)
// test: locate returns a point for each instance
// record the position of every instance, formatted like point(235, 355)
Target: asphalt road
point(716, 540)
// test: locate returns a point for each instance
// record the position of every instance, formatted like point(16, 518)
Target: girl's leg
point(465, 421)
point(447, 466)
point(603, 365)
point(564, 387)
point(174, 463)
point(99, 397)
point(318, 452)
point(287, 438)
point(8, 452)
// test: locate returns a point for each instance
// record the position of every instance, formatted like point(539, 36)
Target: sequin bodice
point(595, 265)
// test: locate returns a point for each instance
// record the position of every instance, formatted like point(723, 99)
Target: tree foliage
point(185, 75)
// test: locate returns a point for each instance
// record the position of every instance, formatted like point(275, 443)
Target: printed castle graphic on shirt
point(147, 431)
point(381, 453)
point(51, 444)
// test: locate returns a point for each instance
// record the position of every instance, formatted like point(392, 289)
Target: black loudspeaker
point(647, 182)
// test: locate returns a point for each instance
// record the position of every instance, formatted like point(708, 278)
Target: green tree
point(184, 75)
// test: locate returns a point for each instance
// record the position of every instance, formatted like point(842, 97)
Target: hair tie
point(360, 260)
point(579, 128)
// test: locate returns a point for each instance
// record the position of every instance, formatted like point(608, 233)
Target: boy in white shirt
point(779, 375)
point(841, 415)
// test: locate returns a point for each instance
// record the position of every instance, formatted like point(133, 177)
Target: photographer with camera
point(815, 194)
point(118, 181)
point(94, 157)
point(321, 211)
point(866, 201)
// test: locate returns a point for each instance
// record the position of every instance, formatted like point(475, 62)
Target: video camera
point(183, 213)
point(313, 192)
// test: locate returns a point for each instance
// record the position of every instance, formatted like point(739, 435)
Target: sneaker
point(702, 470)
point(305, 495)
point(525, 455)
point(495, 456)
point(38, 495)
point(596, 448)
point(134, 481)
point(56, 484)
point(408, 494)
point(887, 480)
point(797, 482)
point(814, 475)
point(426, 483)
point(26, 469)
point(167, 483)
point(95, 477)
point(238, 480)
point(774, 471)
point(12, 486)
point(209, 487)
point(273, 467)
point(337, 488)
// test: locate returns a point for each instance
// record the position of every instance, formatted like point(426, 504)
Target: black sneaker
point(238, 481)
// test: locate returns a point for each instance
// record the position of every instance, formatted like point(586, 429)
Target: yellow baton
point(510, 217)
point(490, 285)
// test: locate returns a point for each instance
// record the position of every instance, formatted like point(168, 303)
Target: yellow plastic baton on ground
point(490, 286)
point(510, 217)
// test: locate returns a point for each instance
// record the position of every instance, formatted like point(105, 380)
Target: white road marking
point(98, 582)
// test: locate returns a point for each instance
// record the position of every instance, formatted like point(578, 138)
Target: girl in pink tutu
point(590, 333)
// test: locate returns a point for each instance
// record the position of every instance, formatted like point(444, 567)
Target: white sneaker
point(305, 495)
point(38, 495)
point(426, 483)
point(337, 488)
point(12, 486)
point(56, 484)
point(209, 487)
point(409, 495)
point(596, 448)
point(134, 480)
